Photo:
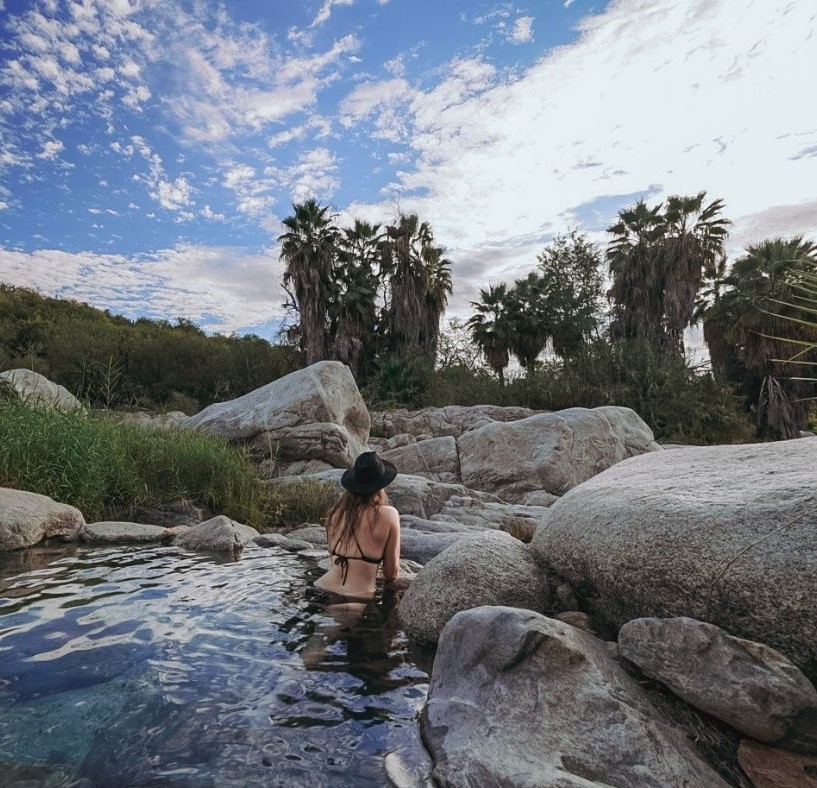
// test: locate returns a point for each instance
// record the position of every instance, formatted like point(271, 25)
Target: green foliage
point(106, 469)
point(303, 501)
point(399, 381)
point(761, 334)
point(113, 362)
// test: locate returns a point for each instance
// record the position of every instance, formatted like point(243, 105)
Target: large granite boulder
point(518, 699)
point(518, 520)
point(435, 458)
point(490, 568)
point(550, 451)
point(748, 685)
point(218, 535)
point(724, 534)
point(315, 413)
point(27, 518)
point(451, 420)
point(38, 390)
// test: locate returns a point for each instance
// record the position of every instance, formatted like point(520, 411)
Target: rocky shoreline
point(568, 561)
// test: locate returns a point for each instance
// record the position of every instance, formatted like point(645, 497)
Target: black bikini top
point(343, 560)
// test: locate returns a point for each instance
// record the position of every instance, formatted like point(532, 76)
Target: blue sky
point(149, 148)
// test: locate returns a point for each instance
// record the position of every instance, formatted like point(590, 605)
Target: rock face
point(219, 535)
point(452, 420)
point(517, 699)
point(725, 534)
point(550, 451)
point(111, 532)
point(27, 518)
point(37, 389)
point(752, 687)
point(490, 568)
point(436, 459)
point(315, 413)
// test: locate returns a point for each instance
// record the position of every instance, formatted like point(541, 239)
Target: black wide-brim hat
point(369, 474)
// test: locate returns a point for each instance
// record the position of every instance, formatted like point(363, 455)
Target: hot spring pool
point(160, 667)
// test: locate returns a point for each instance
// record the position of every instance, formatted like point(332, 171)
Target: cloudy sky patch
point(147, 150)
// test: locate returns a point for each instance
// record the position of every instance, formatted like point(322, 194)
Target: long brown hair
point(349, 510)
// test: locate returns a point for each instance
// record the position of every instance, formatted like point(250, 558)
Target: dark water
point(160, 667)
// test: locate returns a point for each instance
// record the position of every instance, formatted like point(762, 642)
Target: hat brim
point(350, 481)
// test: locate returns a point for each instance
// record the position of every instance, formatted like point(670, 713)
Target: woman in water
point(362, 531)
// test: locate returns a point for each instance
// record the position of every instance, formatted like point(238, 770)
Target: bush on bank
point(107, 469)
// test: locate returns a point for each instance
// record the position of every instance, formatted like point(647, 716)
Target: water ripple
point(126, 666)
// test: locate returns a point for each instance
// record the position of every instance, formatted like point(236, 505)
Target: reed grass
point(107, 469)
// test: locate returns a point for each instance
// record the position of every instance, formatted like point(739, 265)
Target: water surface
point(161, 667)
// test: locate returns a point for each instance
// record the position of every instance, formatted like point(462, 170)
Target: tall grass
point(107, 469)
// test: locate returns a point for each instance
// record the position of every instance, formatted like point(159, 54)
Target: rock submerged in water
point(27, 518)
point(518, 699)
point(219, 535)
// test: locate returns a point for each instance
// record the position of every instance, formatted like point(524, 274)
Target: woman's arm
point(391, 553)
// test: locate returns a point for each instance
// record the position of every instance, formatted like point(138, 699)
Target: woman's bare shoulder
point(389, 513)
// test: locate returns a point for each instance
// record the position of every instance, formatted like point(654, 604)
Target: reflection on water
point(133, 666)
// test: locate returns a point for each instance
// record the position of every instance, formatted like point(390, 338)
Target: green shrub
point(106, 469)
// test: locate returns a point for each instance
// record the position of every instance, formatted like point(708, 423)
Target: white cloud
point(326, 10)
point(314, 174)
point(680, 95)
point(223, 288)
point(51, 149)
point(522, 31)
point(568, 3)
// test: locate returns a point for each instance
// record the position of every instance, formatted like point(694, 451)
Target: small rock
point(112, 532)
point(769, 767)
point(219, 534)
point(27, 518)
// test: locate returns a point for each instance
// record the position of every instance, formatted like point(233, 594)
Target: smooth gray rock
point(518, 700)
point(491, 568)
point(219, 534)
point(752, 687)
point(724, 534)
point(36, 389)
point(285, 543)
point(451, 420)
point(314, 534)
point(315, 413)
point(435, 459)
point(553, 452)
point(27, 518)
point(421, 546)
point(519, 520)
point(117, 532)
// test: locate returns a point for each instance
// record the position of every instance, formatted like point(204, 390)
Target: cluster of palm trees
point(364, 292)
point(667, 270)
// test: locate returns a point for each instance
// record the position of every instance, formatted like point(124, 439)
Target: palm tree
point(531, 324)
point(758, 329)
point(631, 255)
point(408, 282)
point(658, 262)
point(354, 307)
point(490, 328)
point(308, 249)
point(692, 250)
point(440, 286)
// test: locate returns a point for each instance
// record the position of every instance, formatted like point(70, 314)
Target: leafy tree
point(570, 268)
point(308, 249)
point(531, 323)
point(490, 328)
point(658, 262)
point(757, 330)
